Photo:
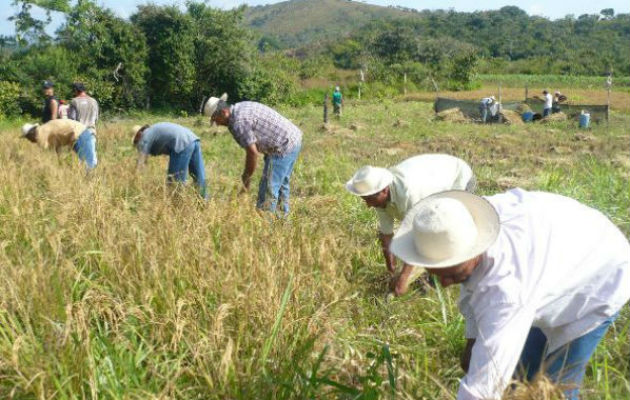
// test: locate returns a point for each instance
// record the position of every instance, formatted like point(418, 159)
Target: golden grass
point(114, 287)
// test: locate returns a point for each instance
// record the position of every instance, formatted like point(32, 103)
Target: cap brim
point(483, 214)
point(385, 181)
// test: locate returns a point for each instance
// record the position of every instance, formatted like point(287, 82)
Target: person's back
point(337, 97)
point(58, 133)
point(165, 138)
point(548, 100)
point(274, 133)
point(418, 177)
point(562, 260)
point(85, 110)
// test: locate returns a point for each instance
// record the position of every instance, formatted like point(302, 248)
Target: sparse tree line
point(164, 57)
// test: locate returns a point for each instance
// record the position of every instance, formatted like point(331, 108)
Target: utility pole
point(361, 80)
point(608, 88)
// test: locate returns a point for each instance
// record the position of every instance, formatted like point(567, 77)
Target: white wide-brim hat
point(446, 229)
point(26, 128)
point(369, 180)
point(211, 105)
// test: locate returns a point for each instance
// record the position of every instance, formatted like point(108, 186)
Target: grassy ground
point(114, 288)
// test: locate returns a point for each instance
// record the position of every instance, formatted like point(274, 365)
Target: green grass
point(115, 288)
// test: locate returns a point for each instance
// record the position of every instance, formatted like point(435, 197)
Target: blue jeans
point(566, 365)
point(546, 112)
point(85, 147)
point(274, 183)
point(187, 161)
point(483, 109)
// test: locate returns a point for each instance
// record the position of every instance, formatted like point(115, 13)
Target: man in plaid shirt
point(259, 129)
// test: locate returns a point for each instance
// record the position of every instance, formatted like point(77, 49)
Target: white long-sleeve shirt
point(548, 100)
point(418, 177)
point(557, 265)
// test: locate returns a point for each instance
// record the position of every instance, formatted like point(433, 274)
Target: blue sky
point(546, 8)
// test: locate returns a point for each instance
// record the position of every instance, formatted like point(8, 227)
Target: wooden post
point(326, 108)
point(405, 83)
point(608, 87)
point(500, 105)
point(526, 92)
point(361, 80)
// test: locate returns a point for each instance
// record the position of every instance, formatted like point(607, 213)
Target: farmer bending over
point(259, 129)
point(58, 133)
point(542, 276)
point(394, 191)
point(180, 144)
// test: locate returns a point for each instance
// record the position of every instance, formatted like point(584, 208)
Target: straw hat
point(135, 129)
point(211, 105)
point(369, 180)
point(446, 229)
point(26, 128)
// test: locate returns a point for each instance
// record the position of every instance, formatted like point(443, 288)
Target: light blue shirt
point(165, 138)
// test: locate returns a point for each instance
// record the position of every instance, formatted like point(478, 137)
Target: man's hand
point(142, 158)
point(246, 179)
point(400, 283)
point(390, 260)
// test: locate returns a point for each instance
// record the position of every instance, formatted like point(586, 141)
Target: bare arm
point(54, 109)
point(142, 158)
point(251, 159)
point(390, 260)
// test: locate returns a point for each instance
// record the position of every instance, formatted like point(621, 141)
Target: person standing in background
point(63, 110)
point(484, 108)
point(84, 109)
point(51, 104)
point(337, 100)
point(548, 103)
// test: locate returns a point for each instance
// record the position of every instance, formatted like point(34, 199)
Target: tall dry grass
point(116, 287)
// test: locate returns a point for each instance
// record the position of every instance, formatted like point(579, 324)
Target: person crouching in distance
point(179, 143)
point(393, 192)
point(542, 278)
point(60, 133)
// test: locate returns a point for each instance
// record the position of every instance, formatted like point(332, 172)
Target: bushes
point(9, 99)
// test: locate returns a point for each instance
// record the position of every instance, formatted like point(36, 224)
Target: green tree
point(170, 36)
point(223, 52)
point(114, 53)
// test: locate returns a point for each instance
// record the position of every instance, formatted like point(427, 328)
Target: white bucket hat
point(211, 105)
point(369, 180)
point(446, 229)
point(26, 128)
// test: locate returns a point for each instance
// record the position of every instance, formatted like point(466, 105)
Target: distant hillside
point(297, 22)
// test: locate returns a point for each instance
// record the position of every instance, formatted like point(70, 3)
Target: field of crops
point(620, 83)
point(115, 288)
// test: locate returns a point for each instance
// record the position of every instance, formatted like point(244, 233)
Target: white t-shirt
point(548, 100)
point(418, 177)
point(557, 265)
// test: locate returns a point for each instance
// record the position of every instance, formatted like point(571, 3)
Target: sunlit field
point(116, 287)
